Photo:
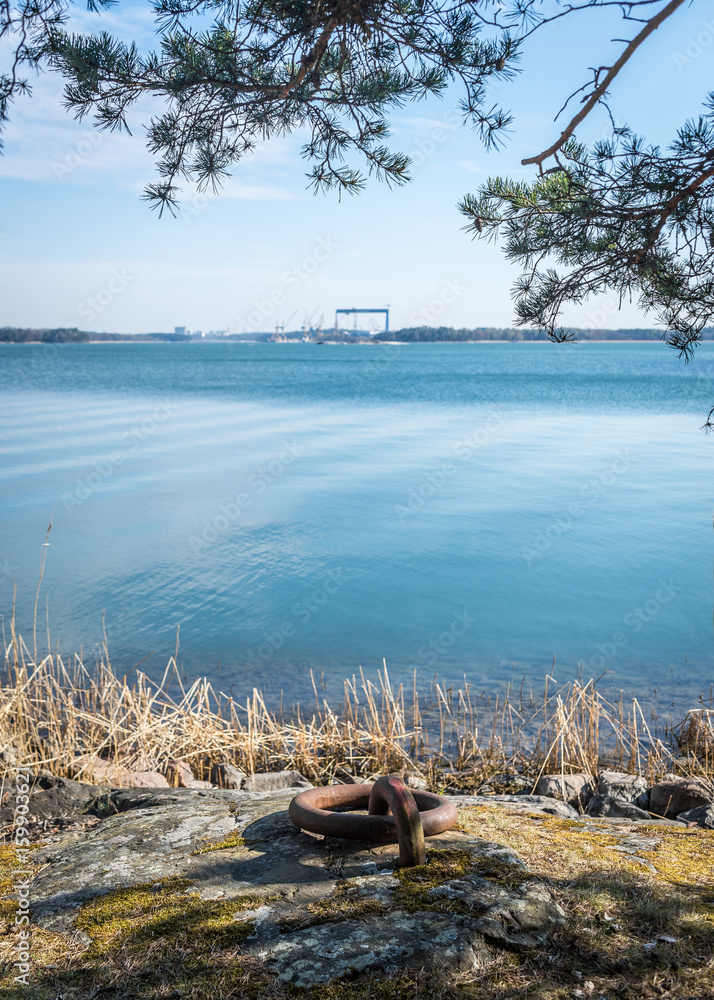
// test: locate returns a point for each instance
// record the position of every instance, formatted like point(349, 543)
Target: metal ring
point(313, 810)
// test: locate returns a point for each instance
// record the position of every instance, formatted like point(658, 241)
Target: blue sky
point(79, 248)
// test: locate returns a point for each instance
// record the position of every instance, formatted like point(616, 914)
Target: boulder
point(670, 798)
point(273, 781)
point(108, 773)
point(626, 787)
point(54, 798)
point(471, 901)
point(227, 775)
point(506, 783)
point(608, 806)
point(342, 776)
point(702, 816)
point(575, 789)
point(144, 779)
point(180, 775)
point(415, 780)
point(10, 757)
point(92, 768)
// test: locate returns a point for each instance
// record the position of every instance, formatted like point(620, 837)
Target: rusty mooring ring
point(415, 815)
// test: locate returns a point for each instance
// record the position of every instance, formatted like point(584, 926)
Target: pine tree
point(334, 69)
point(621, 216)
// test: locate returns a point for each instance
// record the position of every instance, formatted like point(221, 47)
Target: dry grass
point(54, 710)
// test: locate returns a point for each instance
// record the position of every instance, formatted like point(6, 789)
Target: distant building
point(180, 331)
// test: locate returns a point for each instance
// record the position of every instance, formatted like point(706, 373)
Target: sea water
point(467, 510)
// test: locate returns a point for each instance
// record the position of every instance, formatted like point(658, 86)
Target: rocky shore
point(170, 871)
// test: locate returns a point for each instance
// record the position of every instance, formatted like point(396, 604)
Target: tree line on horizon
point(419, 334)
point(72, 335)
point(517, 335)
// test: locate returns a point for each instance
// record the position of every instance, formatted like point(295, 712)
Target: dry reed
point(56, 712)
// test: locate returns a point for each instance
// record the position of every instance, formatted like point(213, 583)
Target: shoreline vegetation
point(64, 716)
point(409, 335)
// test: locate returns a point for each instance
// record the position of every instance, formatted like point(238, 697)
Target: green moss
point(443, 866)
point(345, 902)
point(164, 911)
point(440, 867)
point(233, 840)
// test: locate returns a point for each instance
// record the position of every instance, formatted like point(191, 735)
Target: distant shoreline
point(314, 335)
point(139, 339)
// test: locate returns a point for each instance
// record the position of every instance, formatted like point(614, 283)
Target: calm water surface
point(470, 509)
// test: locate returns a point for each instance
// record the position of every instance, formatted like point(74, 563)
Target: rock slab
point(230, 844)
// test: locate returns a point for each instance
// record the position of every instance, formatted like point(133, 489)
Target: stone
point(229, 844)
point(180, 775)
point(107, 773)
point(145, 779)
point(90, 767)
point(10, 757)
point(702, 816)
point(670, 798)
point(520, 803)
point(415, 780)
point(623, 786)
point(227, 775)
point(272, 781)
point(608, 806)
point(506, 783)
point(54, 798)
point(575, 789)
